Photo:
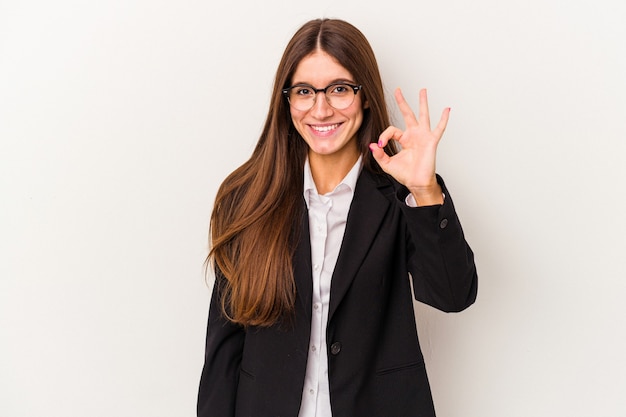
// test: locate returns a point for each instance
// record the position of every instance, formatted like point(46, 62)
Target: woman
point(314, 240)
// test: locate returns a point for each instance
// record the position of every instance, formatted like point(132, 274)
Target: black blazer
point(375, 365)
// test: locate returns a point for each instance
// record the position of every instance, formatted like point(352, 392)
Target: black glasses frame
point(354, 88)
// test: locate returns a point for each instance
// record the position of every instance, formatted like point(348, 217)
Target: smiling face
point(329, 133)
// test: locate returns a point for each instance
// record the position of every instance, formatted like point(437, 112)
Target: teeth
point(325, 128)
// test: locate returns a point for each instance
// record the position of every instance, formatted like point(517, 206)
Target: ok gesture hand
point(414, 165)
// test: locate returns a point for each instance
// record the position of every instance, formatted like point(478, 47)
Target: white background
point(120, 118)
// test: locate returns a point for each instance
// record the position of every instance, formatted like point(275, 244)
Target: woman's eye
point(303, 91)
point(340, 89)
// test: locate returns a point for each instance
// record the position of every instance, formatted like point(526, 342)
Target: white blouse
point(328, 215)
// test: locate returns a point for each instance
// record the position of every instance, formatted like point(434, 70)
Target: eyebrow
point(335, 81)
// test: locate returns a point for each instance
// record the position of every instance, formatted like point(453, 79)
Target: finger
point(388, 134)
point(424, 116)
point(405, 109)
point(379, 155)
point(443, 122)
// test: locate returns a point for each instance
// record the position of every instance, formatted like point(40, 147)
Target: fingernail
point(380, 143)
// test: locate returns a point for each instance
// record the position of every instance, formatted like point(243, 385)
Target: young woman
point(315, 239)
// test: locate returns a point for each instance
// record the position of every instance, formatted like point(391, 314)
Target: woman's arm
point(440, 261)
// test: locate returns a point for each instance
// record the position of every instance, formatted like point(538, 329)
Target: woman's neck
point(329, 170)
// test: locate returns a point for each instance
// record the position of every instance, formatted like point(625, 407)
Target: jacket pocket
point(401, 390)
point(407, 367)
point(246, 374)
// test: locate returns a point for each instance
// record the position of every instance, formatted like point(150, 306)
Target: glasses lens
point(302, 97)
point(340, 96)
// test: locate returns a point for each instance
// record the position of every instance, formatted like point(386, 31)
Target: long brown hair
point(256, 218)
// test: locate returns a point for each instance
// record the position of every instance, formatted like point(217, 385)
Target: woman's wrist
point(427, 196)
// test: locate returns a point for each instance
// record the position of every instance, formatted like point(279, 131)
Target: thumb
point(379, 155)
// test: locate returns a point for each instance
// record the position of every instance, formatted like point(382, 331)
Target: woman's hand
point(414, 165)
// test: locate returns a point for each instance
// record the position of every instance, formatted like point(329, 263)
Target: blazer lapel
point(367, 211)
point(302, 265)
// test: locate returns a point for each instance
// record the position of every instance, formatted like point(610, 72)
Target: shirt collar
point(349, 180)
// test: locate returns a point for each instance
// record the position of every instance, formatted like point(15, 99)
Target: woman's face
point(328, 132)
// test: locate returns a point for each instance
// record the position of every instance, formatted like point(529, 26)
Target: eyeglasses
point(338, 95)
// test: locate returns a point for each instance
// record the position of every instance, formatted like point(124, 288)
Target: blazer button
point(335, 348)
point(443, 223)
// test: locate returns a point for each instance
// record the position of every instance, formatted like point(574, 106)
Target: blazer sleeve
point(220, 374)
point(440, 261)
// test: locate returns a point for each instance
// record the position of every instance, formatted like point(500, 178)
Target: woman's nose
point(321, 108)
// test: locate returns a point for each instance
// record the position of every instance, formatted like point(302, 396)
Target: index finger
point(407, 113)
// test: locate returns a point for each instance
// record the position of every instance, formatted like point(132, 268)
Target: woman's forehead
point(320, 69)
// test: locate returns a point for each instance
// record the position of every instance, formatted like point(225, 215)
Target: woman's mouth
point(324, 129)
